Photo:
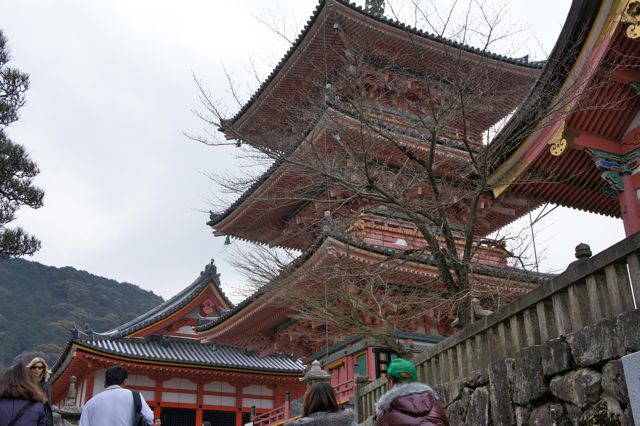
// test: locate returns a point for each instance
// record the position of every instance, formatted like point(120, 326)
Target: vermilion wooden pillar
point(629, 205)
point(89, 385)
point(199, 401)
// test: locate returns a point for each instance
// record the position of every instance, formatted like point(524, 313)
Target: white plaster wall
point(140, 380)
point(258, 403)
point(258, 390)
point(179, 384)
point(148, 395)
point(81, 391)
point(183, 398)
point(219, 387)
point(186, 329)
point(98, 383)
point(227, 401)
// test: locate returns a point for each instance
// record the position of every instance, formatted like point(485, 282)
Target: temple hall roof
point(564, 55)
point(171, 306)
point(583, 101)
point(192, 353)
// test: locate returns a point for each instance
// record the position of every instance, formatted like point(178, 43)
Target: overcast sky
point(111, 94)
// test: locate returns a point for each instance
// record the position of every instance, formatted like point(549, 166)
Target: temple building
point(589, 143)
point(184, 380)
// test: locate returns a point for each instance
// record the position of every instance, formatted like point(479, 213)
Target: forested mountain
point(39, 305)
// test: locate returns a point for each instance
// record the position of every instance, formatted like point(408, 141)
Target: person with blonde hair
point(41, 375)
point(21, 400)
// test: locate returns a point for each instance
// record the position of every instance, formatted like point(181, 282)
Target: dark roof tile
point(187, 351)
point(162, 311)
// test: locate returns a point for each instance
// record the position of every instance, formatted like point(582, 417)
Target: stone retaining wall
point(573, 380)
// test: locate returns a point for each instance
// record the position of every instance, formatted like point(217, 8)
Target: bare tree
point(392, 131)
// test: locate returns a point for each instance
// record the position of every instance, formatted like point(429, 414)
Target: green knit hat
point(402, 369)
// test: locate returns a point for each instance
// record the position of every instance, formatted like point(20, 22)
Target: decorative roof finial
point(211, 269)
point(375, 6)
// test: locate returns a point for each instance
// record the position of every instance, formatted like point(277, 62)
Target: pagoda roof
point(380, 20)
point(187, 352)
point(262, 296)
point(585, 68)
point(216, 218)
point(209, 278)
point(288, 98)
point(238, 218)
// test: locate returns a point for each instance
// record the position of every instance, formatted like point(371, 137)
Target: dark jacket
point(34, 416)
point(323, 418)
point(48, 411)
point(410, 404)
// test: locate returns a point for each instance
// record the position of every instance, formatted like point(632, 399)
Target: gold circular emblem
point(633, 31)
point(558, 148)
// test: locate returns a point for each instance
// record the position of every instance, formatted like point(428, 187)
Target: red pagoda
point(348, 67)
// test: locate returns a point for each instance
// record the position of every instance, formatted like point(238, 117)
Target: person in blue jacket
point(21, 399)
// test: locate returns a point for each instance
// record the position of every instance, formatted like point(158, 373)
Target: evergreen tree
point(17, 170)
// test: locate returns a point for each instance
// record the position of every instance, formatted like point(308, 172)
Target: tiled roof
point(498, 272)
point(215, 218)
point(187, 351)
point(162, 311)
point(564, 55)
point(383, 20)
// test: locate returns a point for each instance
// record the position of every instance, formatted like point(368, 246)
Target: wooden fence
point(588, 291)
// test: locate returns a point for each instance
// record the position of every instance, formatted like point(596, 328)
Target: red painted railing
point(270, 417)
point(344, 391)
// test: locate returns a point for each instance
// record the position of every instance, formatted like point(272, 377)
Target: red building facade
point(184, 381)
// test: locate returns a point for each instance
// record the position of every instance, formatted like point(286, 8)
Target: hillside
point(40, 304)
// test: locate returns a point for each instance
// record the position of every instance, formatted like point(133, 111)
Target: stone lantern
point(69, 414)
point(315, 374)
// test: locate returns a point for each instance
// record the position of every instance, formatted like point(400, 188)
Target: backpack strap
point(137, 403)
point(21, 413)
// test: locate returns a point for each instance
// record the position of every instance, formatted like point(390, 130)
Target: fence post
point(360, 382)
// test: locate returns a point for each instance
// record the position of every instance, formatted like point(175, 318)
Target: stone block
point(629, 328)
point(449, 392)
point(522, 416)
point(478, 411)
point(606, 411)
point(549, 414)
point(500, 393)
point(477, 378)
point(613, 381)
point(631, 365)
point(556, 357)
point(627, 418)
point(581, 387)
point(528, 383)
point(457, 410)
point(596, 344)
point(573, 413)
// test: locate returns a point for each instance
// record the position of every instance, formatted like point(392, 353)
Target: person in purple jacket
point(21, 400)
